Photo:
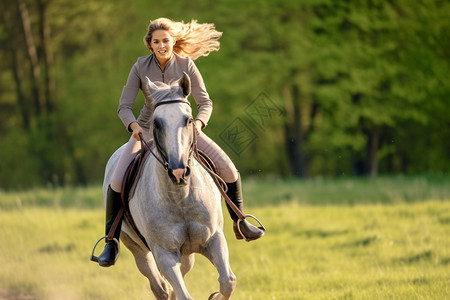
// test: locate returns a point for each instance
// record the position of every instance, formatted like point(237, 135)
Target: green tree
point(361, 84)
point(351, 74)
point(36, 143)
point(379, 64)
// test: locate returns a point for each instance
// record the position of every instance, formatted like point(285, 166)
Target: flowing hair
point(191, 39)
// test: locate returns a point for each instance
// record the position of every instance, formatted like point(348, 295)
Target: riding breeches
point(223, 164)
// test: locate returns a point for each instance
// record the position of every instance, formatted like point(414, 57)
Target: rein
point(206, 163)
point(144, 144)
point(203, 159)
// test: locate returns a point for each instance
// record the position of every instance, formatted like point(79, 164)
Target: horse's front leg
point(169, 262)
point(145, 262)
point(217, 252)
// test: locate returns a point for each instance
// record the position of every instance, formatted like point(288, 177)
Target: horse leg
point(147, 266)
point(187, 262)
point(169, 263)
point(217, 252)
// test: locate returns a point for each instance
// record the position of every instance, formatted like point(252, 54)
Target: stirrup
point(95, 258)
point(254, 218)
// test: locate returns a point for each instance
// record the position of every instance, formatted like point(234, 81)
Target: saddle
point(129, 183)
point(133, 173)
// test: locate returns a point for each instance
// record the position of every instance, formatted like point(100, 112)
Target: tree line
point(300, 88)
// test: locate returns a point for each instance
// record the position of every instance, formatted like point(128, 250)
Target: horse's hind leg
point(147, 266)
point(217, 253)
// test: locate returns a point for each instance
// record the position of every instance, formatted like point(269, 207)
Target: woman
point(174, 46)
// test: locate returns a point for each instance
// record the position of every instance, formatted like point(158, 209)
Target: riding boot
point(250, 231)
point(113, 205)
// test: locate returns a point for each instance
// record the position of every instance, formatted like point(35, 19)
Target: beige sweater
point(150, 67)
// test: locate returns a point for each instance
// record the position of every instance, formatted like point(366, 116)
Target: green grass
point(313, 249)
point(349, 191)
point(319, 191)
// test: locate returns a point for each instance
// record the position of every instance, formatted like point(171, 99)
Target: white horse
point(176, 205)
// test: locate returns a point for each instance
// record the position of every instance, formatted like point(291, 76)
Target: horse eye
point(157, 124)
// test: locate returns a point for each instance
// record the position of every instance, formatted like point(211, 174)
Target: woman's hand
point(136, 130)
point(198, 126)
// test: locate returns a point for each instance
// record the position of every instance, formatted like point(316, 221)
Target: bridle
point(205, 162)
point(163, 160)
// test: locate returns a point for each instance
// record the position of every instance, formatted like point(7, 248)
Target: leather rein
point(204, 161)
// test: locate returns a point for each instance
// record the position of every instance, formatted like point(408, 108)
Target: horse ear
point(185, 84)
point(151, 86)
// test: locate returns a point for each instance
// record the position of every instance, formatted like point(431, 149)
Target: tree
point(361, 85)
point(372, 52)
point(39, 139)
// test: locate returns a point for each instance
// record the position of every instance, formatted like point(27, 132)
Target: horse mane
point(166, 92)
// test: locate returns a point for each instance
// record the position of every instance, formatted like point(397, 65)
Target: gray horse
point(176, 205)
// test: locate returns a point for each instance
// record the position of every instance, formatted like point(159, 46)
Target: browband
point(171, 101)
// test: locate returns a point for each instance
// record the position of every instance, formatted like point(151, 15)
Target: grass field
point(386, 238)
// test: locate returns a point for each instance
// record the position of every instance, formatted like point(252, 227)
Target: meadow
point(347, 238)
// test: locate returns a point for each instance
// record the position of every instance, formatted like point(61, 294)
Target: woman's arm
point(201, 97)
point(128, 97)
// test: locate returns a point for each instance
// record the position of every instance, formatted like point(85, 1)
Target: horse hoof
point(213, 296)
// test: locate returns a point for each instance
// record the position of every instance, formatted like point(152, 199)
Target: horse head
point(173, 127)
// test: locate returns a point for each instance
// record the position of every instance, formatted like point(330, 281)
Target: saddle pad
point(133, 174)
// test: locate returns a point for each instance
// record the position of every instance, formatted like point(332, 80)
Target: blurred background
point(300, 88)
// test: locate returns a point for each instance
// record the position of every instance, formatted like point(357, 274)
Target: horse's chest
point(197, 235)
point(186, 236)
point(181, 222)
point(182, 228)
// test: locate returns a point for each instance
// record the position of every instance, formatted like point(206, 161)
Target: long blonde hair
point(191, 39)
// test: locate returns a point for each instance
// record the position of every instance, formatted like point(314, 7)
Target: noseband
point(164, 160)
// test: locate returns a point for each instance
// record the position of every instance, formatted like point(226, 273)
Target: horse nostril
point(187, 172)
point(178, 173)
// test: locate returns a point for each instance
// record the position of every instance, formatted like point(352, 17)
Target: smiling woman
point(162, 45)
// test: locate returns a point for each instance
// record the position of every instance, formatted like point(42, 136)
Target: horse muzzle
point(179, 176)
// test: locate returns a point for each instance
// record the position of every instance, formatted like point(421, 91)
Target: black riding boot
point(113, 205)
point(251, 232)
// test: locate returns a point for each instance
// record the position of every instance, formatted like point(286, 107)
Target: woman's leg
point(114, 201)
point(126, 157)
point(225, 168)
point(228, 172)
